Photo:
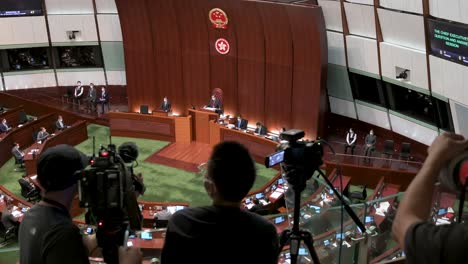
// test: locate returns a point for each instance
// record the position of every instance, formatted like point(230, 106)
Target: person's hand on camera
point(130, 255)
point(444, 148)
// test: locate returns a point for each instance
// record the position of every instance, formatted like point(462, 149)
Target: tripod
point(295, 236)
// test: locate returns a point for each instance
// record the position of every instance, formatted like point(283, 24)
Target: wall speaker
point(144, 109)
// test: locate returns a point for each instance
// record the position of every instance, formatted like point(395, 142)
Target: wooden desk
point(12, 116)
point(201, 124)
point(23, 136)
point(166, 128)
point(74, 135)
point(258, 146)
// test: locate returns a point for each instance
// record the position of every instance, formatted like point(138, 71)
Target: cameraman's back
point(222, 232)
point(217, 234)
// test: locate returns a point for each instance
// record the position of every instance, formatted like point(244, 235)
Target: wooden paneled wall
point(275, 71)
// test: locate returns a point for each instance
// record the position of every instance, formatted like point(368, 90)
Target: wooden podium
point(201, 124)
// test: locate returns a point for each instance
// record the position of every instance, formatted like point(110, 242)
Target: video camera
point(299, 158)
point(108, 189)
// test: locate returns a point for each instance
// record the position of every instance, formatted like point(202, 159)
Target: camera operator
point(47, 233)
point(422, 241)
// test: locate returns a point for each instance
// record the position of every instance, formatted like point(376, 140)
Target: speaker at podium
point(144, 109)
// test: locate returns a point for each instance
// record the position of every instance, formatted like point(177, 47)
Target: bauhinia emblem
point(222, 46)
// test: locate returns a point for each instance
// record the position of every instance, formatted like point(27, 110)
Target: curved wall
point(275, 71)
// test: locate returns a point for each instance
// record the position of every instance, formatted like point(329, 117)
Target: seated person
point(59, 125)
point(104, 99)
point(9, 220)
point(4, 128)
point(258, 208)
point(261, 129)
point(165, 105)
point(42, 135)
point(370, 141)
point(350, 141)
point(18, 154)
point(241, 123)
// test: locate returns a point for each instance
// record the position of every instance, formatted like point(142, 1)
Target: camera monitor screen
point(279, 219)
point(20, 8)
point(274, 159)
point(449, 40)
point(146, 235)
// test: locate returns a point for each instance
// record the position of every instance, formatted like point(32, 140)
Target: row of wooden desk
point(73, 135)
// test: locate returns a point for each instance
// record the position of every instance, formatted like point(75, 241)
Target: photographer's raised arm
point(416, 204)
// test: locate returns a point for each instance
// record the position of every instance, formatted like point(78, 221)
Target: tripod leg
point(308, 241)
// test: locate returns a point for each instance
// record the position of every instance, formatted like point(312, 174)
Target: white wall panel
point(25, 81)
point(449, 79)
point(393, 56)
point(109, 27)
point(342, 107)
point(106, 6)
point(66, 7)
point(402, 29)
point(116, 78)
point(412, 130)
point(86, 77)
point(372, 116)
point(362, 54)
point(60, 24)
point(459, 115)
point(23, 30)
point(365, 2)
point(361, 19)
point(413, 6)
point(456, 10)
point(336, 48)
point(332, 13)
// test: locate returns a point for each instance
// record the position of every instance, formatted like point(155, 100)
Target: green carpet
point(163, 184)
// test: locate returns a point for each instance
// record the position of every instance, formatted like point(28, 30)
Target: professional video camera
point(108, 188)
point(299, 158)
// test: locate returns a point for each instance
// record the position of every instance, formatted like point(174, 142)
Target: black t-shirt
point(428, 243)
point(47, 236)
point(214, 234)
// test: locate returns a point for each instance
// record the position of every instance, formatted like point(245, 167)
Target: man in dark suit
point(4, 127)
point(104, 99)
point(42, 135)
point(18, 154)
point(261, 129)
point(91, 98)
point(241, 123)
point(165, 105)
point(59, 125)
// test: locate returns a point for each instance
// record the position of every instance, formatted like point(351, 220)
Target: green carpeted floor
point(164, 184)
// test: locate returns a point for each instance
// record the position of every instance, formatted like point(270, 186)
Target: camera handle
point(348, 209)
